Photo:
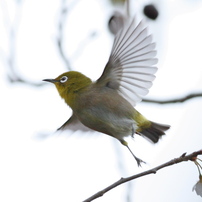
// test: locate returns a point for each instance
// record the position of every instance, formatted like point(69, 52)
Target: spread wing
point(130, 68)
point(73, 124)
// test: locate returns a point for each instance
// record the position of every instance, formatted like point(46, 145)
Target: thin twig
point(60, 38)
point(177, 100)
point(9, 59)
point(183, 157)
point(83, 44)
point(18, 79)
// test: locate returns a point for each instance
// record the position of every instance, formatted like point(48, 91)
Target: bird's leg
point(139, 161)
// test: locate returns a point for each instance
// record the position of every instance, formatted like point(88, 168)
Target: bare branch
point(61, 25)
point(60, 38)
point(18, 79)
point(182, 158)
point(9, 59)
point(177, 100)
point(83, 44)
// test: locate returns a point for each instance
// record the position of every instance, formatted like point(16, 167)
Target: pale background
point(38, 166)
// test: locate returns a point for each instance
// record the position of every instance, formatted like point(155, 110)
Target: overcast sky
point(64, 167)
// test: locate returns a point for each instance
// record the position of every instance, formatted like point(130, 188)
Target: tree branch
point(60, 38)
point(177, 100)
point(9, 59)
point(183, 157)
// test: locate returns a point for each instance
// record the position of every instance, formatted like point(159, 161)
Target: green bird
point(107, 105)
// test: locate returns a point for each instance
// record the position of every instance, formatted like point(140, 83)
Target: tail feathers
point(155, 131)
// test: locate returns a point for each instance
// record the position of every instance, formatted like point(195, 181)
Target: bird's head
point(70, 84)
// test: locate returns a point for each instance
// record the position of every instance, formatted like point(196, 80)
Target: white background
point(37, 165)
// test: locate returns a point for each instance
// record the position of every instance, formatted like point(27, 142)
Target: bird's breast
point(106, 112)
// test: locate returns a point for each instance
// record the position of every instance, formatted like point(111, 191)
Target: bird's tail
point(155, 131)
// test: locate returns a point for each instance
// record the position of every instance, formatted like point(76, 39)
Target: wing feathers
point(141, 51)
point(129, 40)
point(130, 68)
point(133, 58)
point(73, 124)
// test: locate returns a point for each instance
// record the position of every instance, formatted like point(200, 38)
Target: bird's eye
point(63, 79)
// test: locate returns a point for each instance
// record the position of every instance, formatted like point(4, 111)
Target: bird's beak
point(51, 80)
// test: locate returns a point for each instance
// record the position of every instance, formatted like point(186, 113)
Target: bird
point(107, 105)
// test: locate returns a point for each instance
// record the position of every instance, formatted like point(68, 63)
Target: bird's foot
point(139, 161)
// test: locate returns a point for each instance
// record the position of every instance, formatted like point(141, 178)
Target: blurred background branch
point(8, 58)
point(60, 38)
point(175, 100)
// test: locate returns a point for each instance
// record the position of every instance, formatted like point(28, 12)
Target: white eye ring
point(63, 79)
